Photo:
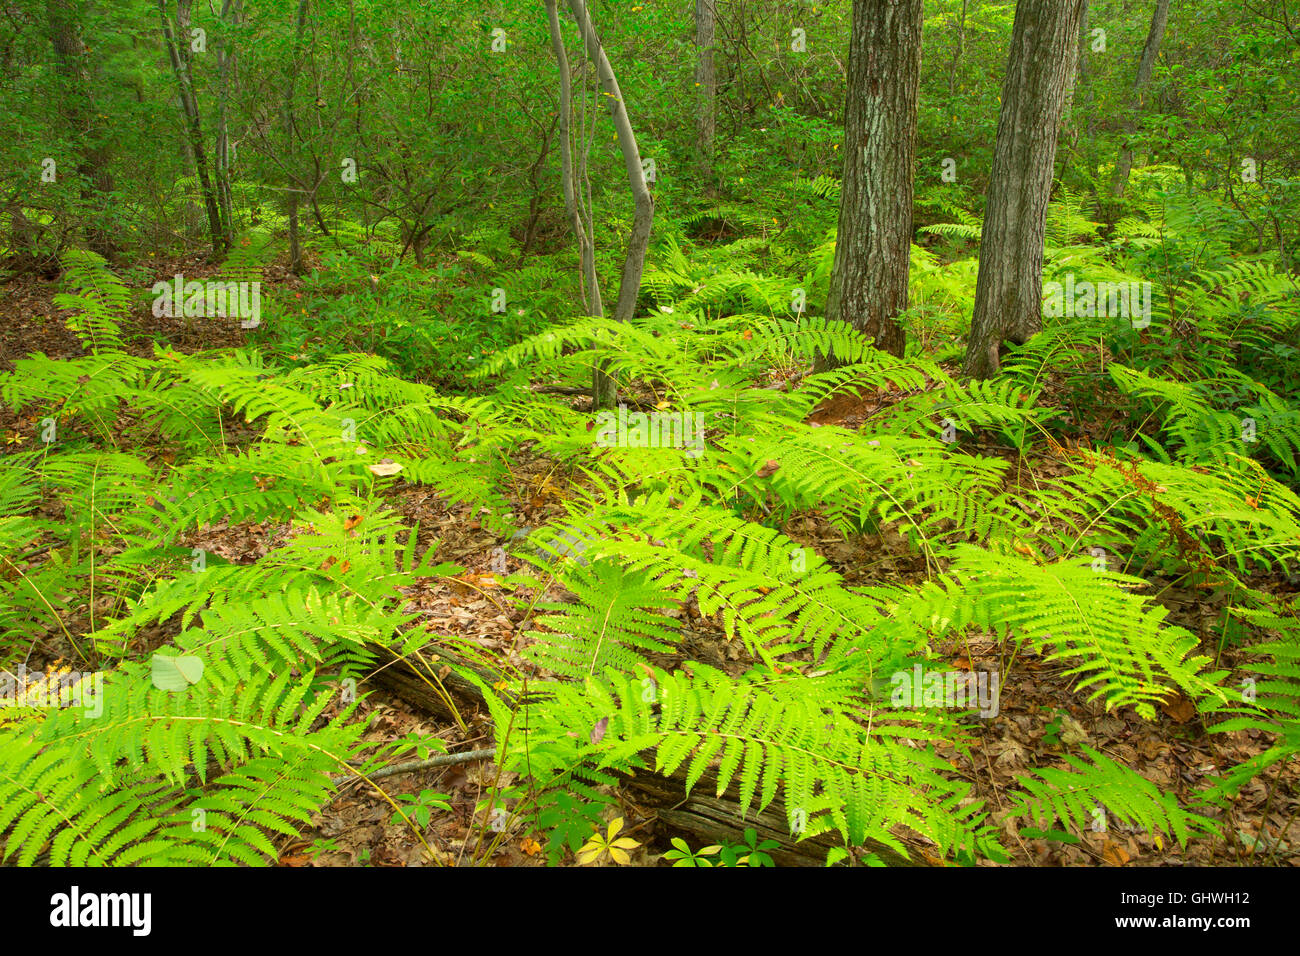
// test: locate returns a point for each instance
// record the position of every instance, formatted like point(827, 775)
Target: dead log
point(708, 818)
point(436, 687)
point(712, 819)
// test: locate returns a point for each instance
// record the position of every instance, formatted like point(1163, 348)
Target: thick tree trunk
point(1080, 72)
point(868, 285)
point(78, 108)
point(1009, 289)
point(706, 82)
point(1155, 35)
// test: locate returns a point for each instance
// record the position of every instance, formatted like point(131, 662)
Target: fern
point(99, 301)
point(1094, 787)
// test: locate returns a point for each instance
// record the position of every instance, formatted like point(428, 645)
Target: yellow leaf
point(619, 857)
point(614, 826)
point(626, 843)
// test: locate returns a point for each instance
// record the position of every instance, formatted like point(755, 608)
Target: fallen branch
point(442, 760)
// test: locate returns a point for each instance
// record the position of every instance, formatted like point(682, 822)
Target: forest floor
point(1040, 717)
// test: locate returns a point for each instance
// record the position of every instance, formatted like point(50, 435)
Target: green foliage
point(1051, 508)
point(1096, 789)
point(98, 299)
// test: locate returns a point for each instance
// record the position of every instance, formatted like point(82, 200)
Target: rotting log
point(708, 818)
point(712, 819)
point(433, 684)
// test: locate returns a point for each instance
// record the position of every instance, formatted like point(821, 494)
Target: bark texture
point(1009, 289)
point(706, 82)
point(868, 285)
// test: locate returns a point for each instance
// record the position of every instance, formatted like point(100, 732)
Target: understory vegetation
point(683, 572)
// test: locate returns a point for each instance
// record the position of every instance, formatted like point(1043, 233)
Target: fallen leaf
point(1180, 709)
point(1114, 854)
point(1072, 731)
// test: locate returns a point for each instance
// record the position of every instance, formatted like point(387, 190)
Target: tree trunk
point(868, 286)
point(643, 216)
point(1009, 288)
point(961, 48)
point(291, 196)
point(581, 231)
point(78, 108)
point(178, 52)
point(225, 69)
point(1155, 35)
point(604, 389)
point(1080, 71)
point(706, 81)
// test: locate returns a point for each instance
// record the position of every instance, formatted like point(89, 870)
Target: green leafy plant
point(682, 855)
point(420, 808)
point(750, 851)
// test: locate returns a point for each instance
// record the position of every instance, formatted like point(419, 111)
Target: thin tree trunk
point(291, 197)
point(179, 54)
point(604, 391)
point(869, 277)
point(1155, 35)
point(226, 65)
point(1009, 288)
point(1080, 70)
point(643, 216)
point(706, 81)
point(961, 48)
point(586, 243)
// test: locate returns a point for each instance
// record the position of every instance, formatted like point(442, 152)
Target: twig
point(442, 760)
